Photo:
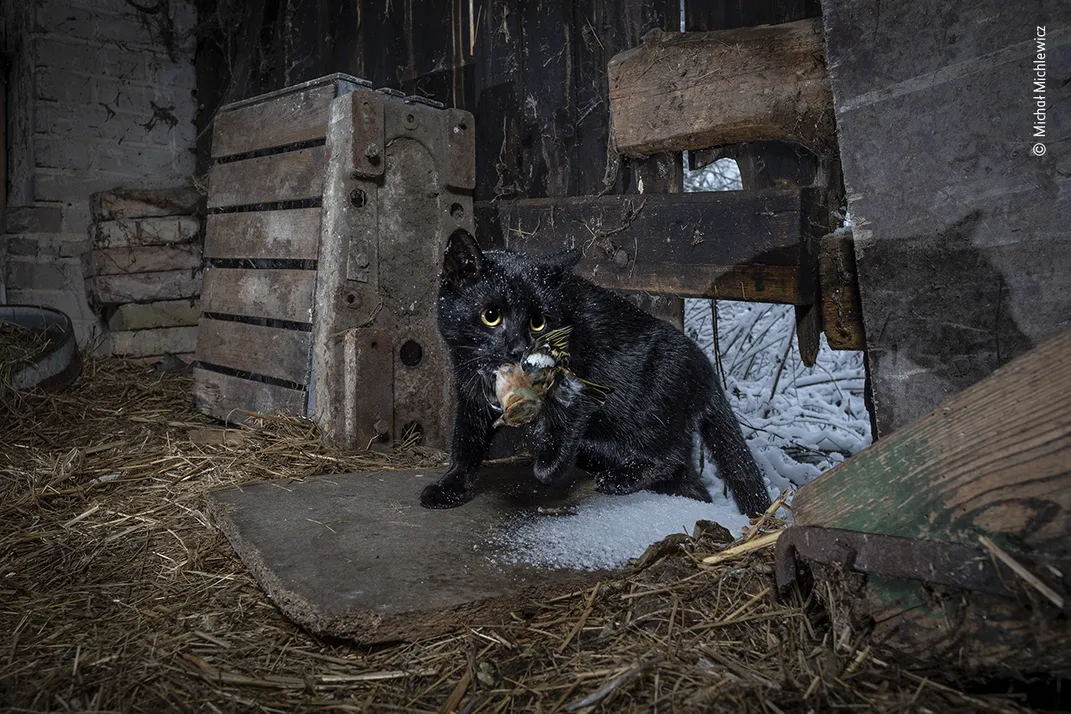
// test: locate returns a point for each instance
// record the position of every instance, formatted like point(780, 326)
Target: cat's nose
point(516, 348)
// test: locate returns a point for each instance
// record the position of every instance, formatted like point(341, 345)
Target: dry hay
point(116, 594)
point(18, 344)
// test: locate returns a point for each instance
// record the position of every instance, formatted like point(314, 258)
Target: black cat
point(493, 304)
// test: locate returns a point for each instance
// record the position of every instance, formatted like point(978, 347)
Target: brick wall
point(101, 94)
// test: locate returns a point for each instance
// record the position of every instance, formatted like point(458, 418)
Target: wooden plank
point(971, 632)
point(741, 244)
point(294, 115)
point(956, 277)
point(548, 164)
point(388, 54)
point(145, 287)
point(168, 313)
point(294, 118)
point(434, 48)
point(131, 232)
point(113, 261)
point(287, 234)
point(697, 90)
point(129, 202)
point(500, 108)
point(995, 459)
point(842, 315)
point(601, 30)
point(271, 294)
point(145, 343)
point(270, 351)
point(727, 14)
point(663, 173)
point(228, 398)
point(289, 176)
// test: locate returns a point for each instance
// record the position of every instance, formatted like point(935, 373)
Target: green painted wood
point(996, 459)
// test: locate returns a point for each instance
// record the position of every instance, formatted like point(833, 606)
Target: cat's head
point(493, 304)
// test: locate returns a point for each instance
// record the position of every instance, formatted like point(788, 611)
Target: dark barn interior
point(222, 386)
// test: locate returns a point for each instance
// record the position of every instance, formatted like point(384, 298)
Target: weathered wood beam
point(739, 245)
point(696, 90)
point(842, 313)
point(168, 313)
point(990, 460)
point(995, 460)
point(288, 116)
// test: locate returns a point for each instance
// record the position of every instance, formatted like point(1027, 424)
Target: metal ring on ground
point(59, 363)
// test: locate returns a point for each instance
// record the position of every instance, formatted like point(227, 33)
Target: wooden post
point(696, 90)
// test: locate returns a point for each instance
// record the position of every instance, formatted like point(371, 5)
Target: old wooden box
point(329, 207)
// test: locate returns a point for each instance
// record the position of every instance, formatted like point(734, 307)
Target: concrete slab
point(355, 555)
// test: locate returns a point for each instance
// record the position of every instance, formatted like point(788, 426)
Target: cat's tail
point(736, 466)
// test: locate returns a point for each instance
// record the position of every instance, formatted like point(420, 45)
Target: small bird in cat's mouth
point(522, 387)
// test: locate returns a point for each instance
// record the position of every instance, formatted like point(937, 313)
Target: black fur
point(664, 387)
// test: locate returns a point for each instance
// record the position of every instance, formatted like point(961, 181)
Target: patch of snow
point(606, 531)
point(798, 421)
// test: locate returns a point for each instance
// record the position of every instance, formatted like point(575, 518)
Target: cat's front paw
point(437, 495)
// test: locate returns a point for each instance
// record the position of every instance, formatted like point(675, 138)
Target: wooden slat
point(549, 165)
point(169, 313)
point(226, 397)
point(842, 314)
point(270, 351)
point(994, 459)
point(287, 234)
point(113, 261)
point(738, 244)
point(146, 287)
point(697, 90)
point(500, 120)
point(289, 176)
point(285, 116)
point(300, 116)
point(144, 343)
point(273, 294)
point(134, 232)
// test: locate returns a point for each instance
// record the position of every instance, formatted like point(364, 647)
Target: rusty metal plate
point(368, 147)
point(461, 150)
point(936, 562)
point(386, 216)
point(369, 387)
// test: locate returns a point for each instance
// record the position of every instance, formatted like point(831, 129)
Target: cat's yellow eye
point(491, 317)
point(537, 324)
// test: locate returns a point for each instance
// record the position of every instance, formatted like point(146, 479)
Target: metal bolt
point(371, 152)
point(361, 260)
point(358, 198)
point(620, 258)
point(381, 427)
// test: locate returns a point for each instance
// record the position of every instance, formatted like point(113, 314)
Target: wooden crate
point(329, 208)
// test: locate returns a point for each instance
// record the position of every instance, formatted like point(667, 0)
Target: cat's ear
point(563, 261)
point(463, 260)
